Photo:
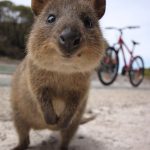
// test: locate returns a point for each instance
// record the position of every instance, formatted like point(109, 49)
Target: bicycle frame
point(123, 45)
point(110, 64)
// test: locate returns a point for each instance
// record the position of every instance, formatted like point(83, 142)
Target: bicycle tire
point(132, 71)
point(109, 65)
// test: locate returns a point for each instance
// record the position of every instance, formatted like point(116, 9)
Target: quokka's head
point(66, 36)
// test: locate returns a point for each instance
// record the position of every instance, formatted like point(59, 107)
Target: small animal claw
point(51, 119)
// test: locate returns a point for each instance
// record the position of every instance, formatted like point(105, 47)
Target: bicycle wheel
point(108, 69)
point(136, 72)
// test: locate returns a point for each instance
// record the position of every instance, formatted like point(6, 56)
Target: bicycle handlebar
point(121, 29)
point(133, 27)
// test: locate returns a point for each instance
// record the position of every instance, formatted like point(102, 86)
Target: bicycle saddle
point(135, 43)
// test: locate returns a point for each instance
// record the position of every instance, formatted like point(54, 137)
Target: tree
point(15, 24)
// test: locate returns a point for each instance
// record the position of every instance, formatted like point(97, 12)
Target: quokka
point(50, 87)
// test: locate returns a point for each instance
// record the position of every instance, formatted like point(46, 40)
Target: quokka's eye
point(88, 22)
point(51, 18)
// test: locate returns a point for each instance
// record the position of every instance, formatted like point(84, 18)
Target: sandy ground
point(123, 121)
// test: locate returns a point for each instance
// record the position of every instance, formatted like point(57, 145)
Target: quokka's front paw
point(63, 123)
point(51, 118)
point(64, 148)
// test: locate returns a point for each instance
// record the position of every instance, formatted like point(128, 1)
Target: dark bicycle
point(108, 70)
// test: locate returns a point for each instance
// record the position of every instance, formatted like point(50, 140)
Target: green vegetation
point(15, 24)
point(147, 72)
point(7, 69)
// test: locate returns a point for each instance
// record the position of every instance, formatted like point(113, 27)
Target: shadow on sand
point(78, 143)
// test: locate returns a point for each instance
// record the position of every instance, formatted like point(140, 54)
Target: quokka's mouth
point(69, 55)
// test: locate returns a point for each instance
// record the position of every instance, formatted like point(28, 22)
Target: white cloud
point(22, 2)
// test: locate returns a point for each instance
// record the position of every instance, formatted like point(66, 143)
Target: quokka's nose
point(69, 40)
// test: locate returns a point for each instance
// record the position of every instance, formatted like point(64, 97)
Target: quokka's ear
point(38, 5)
point(100, 7)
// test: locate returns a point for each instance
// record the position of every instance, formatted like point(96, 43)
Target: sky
point(120, 13)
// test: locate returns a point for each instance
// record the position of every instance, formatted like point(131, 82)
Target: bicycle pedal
point(123, 71)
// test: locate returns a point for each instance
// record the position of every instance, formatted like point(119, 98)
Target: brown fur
point(49, 90)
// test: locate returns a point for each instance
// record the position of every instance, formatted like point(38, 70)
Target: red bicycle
point(108, 70)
